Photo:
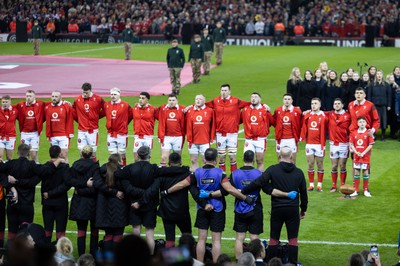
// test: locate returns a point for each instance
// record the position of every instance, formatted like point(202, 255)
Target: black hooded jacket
point(285, 177)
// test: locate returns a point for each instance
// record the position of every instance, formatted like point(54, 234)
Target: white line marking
point(88, 50)
point(310, 242)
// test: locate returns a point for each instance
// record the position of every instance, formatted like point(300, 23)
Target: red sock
point(60, 234)
point(169, 244)
point(334, 178)
point(124, 162)
point(357, 184)
point(222, 166)
point(94, 159)
point(320, 176)
point(343, 176)
point(365, 184)
point(233, 166)
point(311, 176)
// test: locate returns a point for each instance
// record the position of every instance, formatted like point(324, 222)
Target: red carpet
point(45, 74)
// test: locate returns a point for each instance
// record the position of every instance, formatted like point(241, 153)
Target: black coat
point(111, 212)
point(175, 206)
point(307, 91)
point(294, 90)
point(380, 94)
point(329, 94)
point(83, 204)
point(56, 186)
point(27, 173)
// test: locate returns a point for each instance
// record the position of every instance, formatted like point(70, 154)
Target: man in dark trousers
point(173, 209)
point(196, 56)
point(208, 45)
point(54, 191)
point(219, 35)
point(284, 176)
point(136, 178)
point(175, 62)
point(127, 37)
point(21, 176)
point(36, 37)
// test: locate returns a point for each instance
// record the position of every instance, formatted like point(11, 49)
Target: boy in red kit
point(339, 122)
point(361, 144)
point(313, 132)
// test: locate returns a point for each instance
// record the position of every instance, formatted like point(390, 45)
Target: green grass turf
point(266, 70)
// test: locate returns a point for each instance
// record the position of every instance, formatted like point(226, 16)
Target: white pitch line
point(88, 50)
point(310, 242)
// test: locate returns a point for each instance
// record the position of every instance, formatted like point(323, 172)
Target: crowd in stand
point(347, 18)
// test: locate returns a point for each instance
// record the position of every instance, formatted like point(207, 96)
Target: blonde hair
point(293, 78)
point(64, 246)
point(87, 151)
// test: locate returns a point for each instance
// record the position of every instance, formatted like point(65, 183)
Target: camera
point(9, 197)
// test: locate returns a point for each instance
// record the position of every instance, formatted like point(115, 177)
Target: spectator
point(64, 250)
point(275, 262)
point(223, 260)
point(259, 27)
point(86, 260)
point(132, 250)
point(250, 28)
point(356, 259)
point(257, 248)
point(246, 259)
point(73, 27)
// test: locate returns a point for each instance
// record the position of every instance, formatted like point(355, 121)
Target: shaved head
point(285, 154)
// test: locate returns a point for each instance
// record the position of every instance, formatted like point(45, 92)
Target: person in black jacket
point(55, 196)
point(112, 207)
point(331, 91)
point(196, 56)
point(379, 92)
point(284, 176)
point(293, 83)
point(175, 62)
point(307, 91)
point(83, 203)
point(20, 176)
point(174, 209)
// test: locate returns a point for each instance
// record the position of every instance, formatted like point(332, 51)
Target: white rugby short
point(62, 142)
point(172, 143)
point(145, 141)
point(315, 149)
point(118, 144)
point(85, 138)
point(257, 146)
point(31, 139)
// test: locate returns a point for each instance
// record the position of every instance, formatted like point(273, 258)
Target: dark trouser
point(392, 121)
point(185, 225)
point(57, 214)
point(291, 218)
point(382, 112)
point(18, 214)
point(94, 236)
point(2, 220)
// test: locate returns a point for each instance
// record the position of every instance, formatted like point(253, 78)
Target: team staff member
point(83, 203)
point(8, 134)
point(127, 37)
point(175, 62)
point(256, 122)
point(208, 45)
point(313, 132)
point(59, 123)
point(196, 55)
point(363, 108)
point(54, 190)
point(88, 109)
point(21, 177)
point(111, 207)
point(136, 178)
point(118, 115)
point(287, 122)
point(36, 37)
point(284, 176)
point(144, 116)
point(213, 185)
point(174, 208)
point(171, 127)
point(219, 35)
point(339, 123)
point(30, 118)
point(200, 129)
point(227, 117)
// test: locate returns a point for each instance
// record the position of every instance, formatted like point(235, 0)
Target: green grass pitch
point(333, 228)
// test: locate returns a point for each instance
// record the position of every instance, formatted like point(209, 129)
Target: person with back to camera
point(54, 192)
point(257, 248)
point(83, 203)
point(284, 176)
point(111, 206)
point(64, 250)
